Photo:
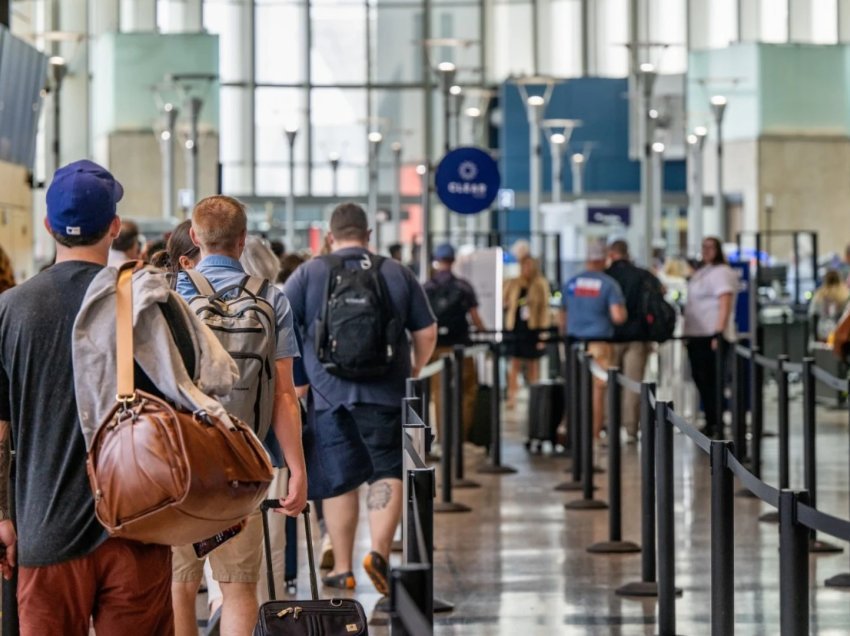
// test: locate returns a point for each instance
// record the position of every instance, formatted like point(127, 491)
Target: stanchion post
point(495, 466)
point(647, 585)
point(587, 502)
point(756, 411)
point(810, 450)
point(568, 404)
point(413, 579)
point(447, 420)
point(572, 406)
point(739, 406)
point(782, 400)
point(793, 566)
point(457, 413)
point(420, 505)
point(720, 383)
point(664, 494)
point(615, 543)
point(722, 542)
point(783, 417)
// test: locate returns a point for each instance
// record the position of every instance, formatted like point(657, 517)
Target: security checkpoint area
point(412, 318)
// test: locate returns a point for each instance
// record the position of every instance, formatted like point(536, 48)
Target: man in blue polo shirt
point(374, 403)
point(593, 305)
point(220, 228)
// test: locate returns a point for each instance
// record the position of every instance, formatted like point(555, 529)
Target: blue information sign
point(467, 180)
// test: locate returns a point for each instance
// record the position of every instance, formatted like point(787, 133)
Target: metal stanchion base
point(614, 547)
point(571, 486)
point(824, 547)
point(641, 588)
point(586, 504)
point(465, 483)
point(450, 506)
point(839, 580)
point(490, 469)
point(441, 606)
point(770, 517)
point(745, 494)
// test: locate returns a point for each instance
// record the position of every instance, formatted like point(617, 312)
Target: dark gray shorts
point(380, 427)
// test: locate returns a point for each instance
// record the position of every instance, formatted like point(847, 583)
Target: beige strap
point(124, 333)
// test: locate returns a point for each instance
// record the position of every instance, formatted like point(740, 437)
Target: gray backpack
point(244, 322)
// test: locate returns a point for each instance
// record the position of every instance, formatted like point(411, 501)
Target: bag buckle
point(126, 401)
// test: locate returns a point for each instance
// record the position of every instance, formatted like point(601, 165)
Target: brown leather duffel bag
point(162, 475)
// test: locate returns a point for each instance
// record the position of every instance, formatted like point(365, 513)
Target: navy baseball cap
point(444, 252)
point(81, 199)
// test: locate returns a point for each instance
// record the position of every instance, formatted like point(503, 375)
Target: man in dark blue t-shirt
point(374, 403)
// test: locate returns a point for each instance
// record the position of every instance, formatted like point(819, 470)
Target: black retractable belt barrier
point(459, 480)
point(722, 543)
point(793, 566)
point(420, 503)
point(782, 399)
point(447, 420)
point(615, 543)
point(647, 585)
point(495, 466)
point(572, 405)
point(664, 493)
point(587, 502)
point(810, 452)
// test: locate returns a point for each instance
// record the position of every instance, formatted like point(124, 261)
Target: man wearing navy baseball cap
point(70, 570)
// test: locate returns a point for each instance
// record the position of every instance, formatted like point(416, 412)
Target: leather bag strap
point(124, 333)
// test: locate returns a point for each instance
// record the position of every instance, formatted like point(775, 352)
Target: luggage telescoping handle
point(273, 504)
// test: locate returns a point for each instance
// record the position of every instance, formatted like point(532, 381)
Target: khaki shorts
point(235, 561)
point(602, 352)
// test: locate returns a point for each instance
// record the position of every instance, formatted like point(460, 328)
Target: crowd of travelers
point(333, 339)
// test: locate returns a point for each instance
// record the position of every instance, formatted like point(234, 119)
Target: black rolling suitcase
point(545, 412)
point(328, 617)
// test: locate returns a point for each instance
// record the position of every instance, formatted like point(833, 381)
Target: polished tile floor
point(517, 563)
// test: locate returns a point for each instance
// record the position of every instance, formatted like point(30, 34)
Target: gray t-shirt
point(306, 291)
point(54, 504)
point(588, 298)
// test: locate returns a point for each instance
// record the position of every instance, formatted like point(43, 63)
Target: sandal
point(378, 570)
point(344, 581)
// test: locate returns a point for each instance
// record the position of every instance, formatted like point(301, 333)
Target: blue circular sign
point(467, 180)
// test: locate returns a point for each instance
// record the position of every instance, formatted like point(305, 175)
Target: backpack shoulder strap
point(200, 282)
point(256, 286)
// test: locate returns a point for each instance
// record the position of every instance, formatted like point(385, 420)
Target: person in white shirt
point(708, 320)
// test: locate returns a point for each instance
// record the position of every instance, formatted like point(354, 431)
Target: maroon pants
point(123, 586)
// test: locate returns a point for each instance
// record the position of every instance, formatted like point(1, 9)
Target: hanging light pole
point(425, 241)
point(657, 190)
point(194, 106)
point(166, 145)
point(536, 104)
point(558, 143)
point(718, 108)
point(456, 98)
point(333, 159)
point(396, 203)
point(577, 164)
point(291, 132)
point(696, 142)
point(446, 71)
point(646, 81)
point(375, 139)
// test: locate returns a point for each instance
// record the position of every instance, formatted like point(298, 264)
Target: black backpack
point(657, 315)
point(358, 332)
point(447, 302)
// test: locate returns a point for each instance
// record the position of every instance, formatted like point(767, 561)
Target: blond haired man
point(219, 229)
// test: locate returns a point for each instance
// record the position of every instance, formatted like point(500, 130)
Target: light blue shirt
point(588, 298)
point(222, 271)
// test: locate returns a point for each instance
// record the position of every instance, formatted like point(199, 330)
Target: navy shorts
point(380, 428)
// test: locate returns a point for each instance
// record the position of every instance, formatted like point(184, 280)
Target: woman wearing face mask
point(708, 321)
